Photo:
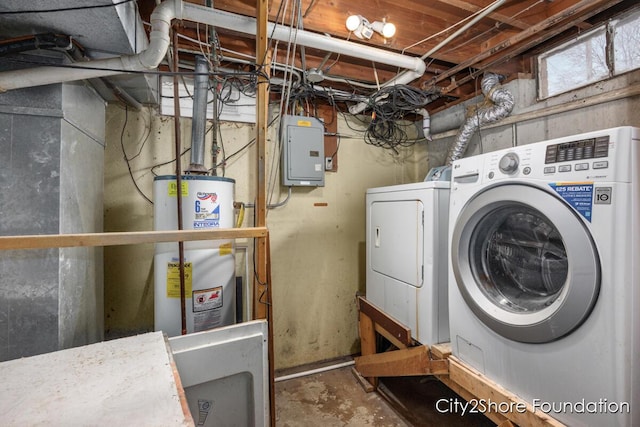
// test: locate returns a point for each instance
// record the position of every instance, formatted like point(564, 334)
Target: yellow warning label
point(173, 279)
point(173, 188)
point(226, 249)
point(305, 123)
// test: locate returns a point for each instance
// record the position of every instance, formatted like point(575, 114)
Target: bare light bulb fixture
point(363, 29)
point(387, 29)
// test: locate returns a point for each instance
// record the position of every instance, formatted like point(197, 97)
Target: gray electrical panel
point(303, 151)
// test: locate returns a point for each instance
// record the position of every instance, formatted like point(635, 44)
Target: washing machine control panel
point(577, 150)
point(509, 163)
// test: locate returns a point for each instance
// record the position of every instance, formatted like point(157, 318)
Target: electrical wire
point(390, 105)
point(243, 148)
point(186, 150)
point(127, 159)
point(284, 100)
point(123, 71)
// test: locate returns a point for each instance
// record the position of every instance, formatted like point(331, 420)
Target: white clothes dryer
point(544, 292)
point(407, 256)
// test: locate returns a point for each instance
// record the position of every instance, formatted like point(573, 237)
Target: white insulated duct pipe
point(247, 25)
point(159, 42)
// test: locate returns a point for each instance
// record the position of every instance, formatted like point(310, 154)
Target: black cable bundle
point(390, 105)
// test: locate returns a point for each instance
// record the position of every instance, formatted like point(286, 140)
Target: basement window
point(606, 51)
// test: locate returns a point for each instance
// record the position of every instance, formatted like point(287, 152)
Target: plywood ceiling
point(505, 41)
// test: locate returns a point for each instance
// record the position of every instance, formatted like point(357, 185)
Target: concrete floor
point(336, 398)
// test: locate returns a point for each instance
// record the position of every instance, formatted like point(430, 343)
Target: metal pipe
point(247, 25)
point(161, 19)
point(199, 117)
point(315, 371)
point(176, 129)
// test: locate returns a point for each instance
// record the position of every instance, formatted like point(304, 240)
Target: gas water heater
point(207, 203)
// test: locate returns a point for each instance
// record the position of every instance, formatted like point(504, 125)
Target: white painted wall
point(317, 251)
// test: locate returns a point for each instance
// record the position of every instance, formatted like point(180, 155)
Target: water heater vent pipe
point(199, 118)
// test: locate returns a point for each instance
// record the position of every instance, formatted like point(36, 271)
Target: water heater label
point(206, 211)
point(207, 309)
point(578, 194)
point(173, 188)
point(173, 279)
point(226, 249)
point(207, 299)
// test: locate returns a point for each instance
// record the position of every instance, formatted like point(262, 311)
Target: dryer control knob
point(509, 163)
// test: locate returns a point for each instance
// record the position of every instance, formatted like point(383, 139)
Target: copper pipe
point(176, 128)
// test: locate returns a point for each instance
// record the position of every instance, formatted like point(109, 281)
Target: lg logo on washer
point(603, 195)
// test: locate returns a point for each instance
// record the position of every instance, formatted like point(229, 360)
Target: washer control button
point(564, 168)
point(509, 163)
point(601, 165)
point(582, 166)
point(550, 169)
point(526, 170)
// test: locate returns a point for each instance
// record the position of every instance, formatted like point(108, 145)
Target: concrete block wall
point(532, 123)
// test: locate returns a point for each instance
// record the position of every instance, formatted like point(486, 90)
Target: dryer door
point(525, 263)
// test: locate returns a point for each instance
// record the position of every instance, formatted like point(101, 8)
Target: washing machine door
point(525, 263)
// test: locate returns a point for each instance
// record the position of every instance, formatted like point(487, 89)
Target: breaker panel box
point(303, 151)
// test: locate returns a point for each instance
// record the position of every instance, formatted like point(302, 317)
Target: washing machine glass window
point(518, 258)
point(525, 263)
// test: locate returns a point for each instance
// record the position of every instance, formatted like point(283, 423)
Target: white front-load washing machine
point(544, 292)
point(407, 256)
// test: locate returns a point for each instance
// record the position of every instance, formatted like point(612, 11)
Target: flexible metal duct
point(502, 103)
point(199, 117)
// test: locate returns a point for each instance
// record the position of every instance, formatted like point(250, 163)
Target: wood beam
point(395, 328)
point(367, 341)
point(482, 388)
point(262, 283)
point(499, 17)
point(125, 238)
point(527, 39)
point(411, 361)
point(262, 107)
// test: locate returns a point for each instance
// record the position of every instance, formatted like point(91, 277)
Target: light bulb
point(353, 22)
point(388, 30)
